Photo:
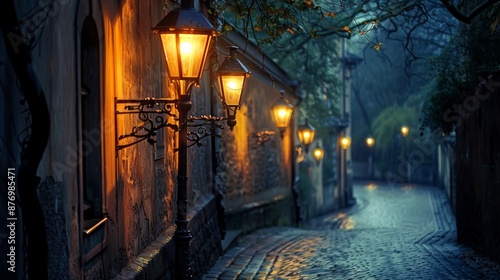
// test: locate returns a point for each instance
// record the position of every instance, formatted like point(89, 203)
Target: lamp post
point(231, 77)
point(306, 134)
point(185, 35)
point(404, 132)
point(344, 144)
point(370, 142)
point(186, 38)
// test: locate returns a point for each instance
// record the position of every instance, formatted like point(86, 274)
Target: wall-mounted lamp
point(154, 112)
point(345, 142)
point(318, 153)
point(186, 37)
point(370, 141)
point(231, 77)
point(306, 134)
point(404, 131)
point(282, 113)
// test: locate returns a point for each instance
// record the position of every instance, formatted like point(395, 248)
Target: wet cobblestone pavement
point(393, 232)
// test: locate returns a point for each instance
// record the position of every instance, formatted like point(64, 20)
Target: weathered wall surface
point(478, 170)
point(447, 169)
point(138, 184)
point(256, 178)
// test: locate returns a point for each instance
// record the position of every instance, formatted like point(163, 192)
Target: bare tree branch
point(467, 18)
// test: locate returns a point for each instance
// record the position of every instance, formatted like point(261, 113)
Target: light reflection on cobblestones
point(394, 232)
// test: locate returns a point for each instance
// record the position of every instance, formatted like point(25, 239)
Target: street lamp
point(370, 142)
point(185, 35)
point(282, 113)
point(404, 132)
point(345, 142)
point(231, 77)
point(306, 134)
point(318, 153)
point(186, 38)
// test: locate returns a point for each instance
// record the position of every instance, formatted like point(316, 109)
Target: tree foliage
point(386, 129)
point(471, 53)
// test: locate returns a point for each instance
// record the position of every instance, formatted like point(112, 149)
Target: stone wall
point(157, 259)
point(478, 169)
point(255, 176)
point(138, 183)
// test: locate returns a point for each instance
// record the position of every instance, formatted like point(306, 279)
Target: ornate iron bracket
point(154, 116)
point(263, 136)
point(206, 126)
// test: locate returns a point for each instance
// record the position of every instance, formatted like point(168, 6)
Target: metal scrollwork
point(152, 114)
point(206, 126)
point(264, 136)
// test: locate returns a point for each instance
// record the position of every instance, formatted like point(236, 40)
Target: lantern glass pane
point(282, 115)
point(306, 136)
point(232, 87)
point(185, 54)
point(170, 49)
point(345, 142)
point(193, 51)
point(318, 154)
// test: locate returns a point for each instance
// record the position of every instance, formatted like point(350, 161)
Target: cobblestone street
point(393, 232)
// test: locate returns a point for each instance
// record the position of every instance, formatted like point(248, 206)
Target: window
point(91, 181)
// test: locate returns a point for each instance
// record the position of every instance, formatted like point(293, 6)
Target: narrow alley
point(393, 232)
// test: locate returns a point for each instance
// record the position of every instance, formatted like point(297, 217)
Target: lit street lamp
point(306, 134)
point(186, 38)
point(404, 132)
point(185, 35)
point(318, 153)
point(370, 142)
point(345, 142)
point(232, 75)
point(282, 113)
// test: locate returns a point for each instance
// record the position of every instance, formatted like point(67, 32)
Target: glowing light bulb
point(317, 153)
point(232, 85)
point(186, 47)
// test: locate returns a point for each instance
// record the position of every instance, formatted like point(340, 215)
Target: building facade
point(108, 212)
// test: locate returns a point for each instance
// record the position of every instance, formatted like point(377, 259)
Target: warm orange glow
point(282, 112)
point(306, 136)
point(300, 154)
point(232, 87)
point(404, 131)
point(345, 142)
point(370, 141)
point(318, 154)
point(371, 187)
point(185, 54)
point(347, 224)
point(408, 187)
point(186, 48)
